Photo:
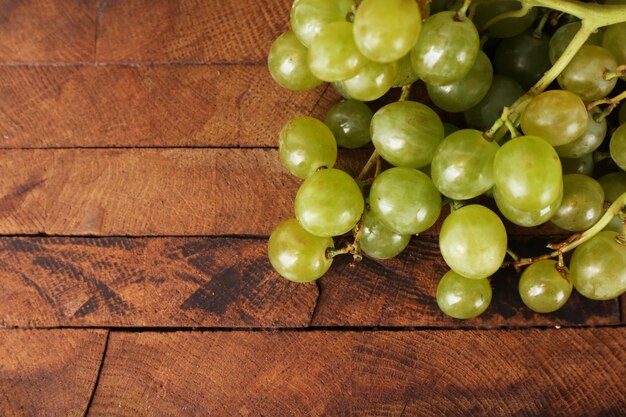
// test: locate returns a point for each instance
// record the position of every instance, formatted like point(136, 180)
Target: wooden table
point(139, 179)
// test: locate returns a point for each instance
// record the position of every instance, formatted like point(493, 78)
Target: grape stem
point(619, 72)
point(578, 239)
point(593, 16)
point(461, 15)
point(406, 91)
point(513, 13)
point(368, 165)
point(612, 104)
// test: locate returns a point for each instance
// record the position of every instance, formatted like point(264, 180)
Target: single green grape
point(613, 40)
point(563, 36)
point(598, 267)
point(473, 241)
point(446, 49)
point(467, 92)
point(503, 92)
point(372, 81)
point(560, 117)
point(582, 205)
point(621, 117)
point(462, 167)
point(406, 133)
point(588, 141)
point(582, 165)
point(296, 254)
point(463, 298)
point(333, 55)
point(288, 63)
point(584, 75)
point(305, 145)
point(380, 242)
point(527, 172)
point(406, 75)
point(309, 16)
point(405, 200)
point(524, 58)
point(350, 121)
point(329, 203)
point(614, 185)
point(386, 30)
point(544, 286)
point(505, 28)
point(338, 86)
point(526, 218)
point(618, 147)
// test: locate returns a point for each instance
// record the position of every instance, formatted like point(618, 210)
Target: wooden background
point(139, 179)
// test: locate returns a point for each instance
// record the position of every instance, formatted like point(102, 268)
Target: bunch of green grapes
point(532, 152)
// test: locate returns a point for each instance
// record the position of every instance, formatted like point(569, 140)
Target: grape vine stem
point(578, 239)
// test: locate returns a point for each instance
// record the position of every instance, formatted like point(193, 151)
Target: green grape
point(296, 254)
point(386, 30)
point(545, 287)
point(503, 92)
point(614, 41)
point(380, 242)
point(349, 121)
point(527, 172)
point(621, 117)
point(507, 27)
point(618, 147)
point(614, 185)
point(305, 145)
point(333, 55)
point(524, 58)
point(338, 86)
point(467, 92)
point(448, 129)
point(582, 205)
point(405, 200)
point(526, 218)
point(582, 165)
point(329, 203)
point(563, 36)
point(473, 241)
point(446, 49)
point(372, 81)
point(463, 298)
point(309, 16)
point(406, 133)
point(288, 63)
point(406, 75)
point(587, 142)
point(462, 167)
point(559, 117)
point(584, 75)
point(598, 267)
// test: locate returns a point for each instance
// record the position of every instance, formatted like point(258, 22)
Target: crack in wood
point(97, 381)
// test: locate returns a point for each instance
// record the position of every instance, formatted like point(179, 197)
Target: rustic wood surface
point(139, 179)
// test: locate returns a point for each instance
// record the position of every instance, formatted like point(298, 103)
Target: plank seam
point(94, 63)
point(95, 385)
point(100, 148)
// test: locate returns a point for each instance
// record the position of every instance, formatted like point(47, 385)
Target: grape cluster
point(532, 152)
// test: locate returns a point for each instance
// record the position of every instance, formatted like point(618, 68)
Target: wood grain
point(50, 372)
point(164, 106)
point(426, 373)
point(147, 191)
point(47, 30)
point(190, 30)
point(228, 282)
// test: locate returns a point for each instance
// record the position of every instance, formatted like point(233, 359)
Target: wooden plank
point(187, 30)
point(49, 372)
point(147, 191)
point(166, 282)
point(527, 372)
point(228, 282)
point(165, 106)
point(47, 30)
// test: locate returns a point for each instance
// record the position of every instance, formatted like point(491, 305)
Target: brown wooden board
point(228, 282)
point(148, 106)
point(47, 30)
point(430, 373)
point(186, 30)
point(49, 372)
